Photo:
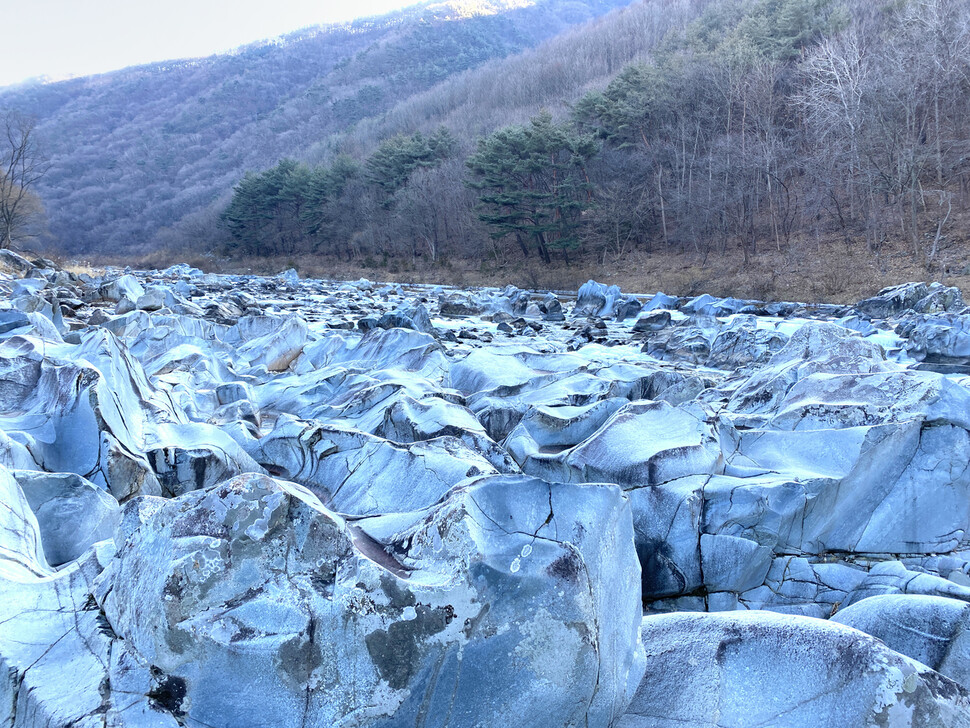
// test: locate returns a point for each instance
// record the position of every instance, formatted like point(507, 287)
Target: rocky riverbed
point(239, 501)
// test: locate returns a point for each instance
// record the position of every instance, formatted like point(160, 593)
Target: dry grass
point(810, 272)
point(79, 268)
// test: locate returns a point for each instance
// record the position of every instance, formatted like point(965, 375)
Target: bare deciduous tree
point(21, 166)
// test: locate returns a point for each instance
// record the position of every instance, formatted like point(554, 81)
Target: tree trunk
point(663, 210)
point(543, 248)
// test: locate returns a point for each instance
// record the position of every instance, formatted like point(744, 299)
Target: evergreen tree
point(393, 162)
point(324, 212)
point(632, 108)
point(246, 213)
point(532, 183)
point(324, 188)
point(265, 213)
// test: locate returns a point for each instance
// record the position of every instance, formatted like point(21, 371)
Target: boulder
point(12, 319)
point(21, 552)
point(834, 401)
point(628, 308)
point(707, 305)
point(181, 269)
point(193, 456)
point(59, 667)
point(596, 299)
point(551, 308)
point(251, 599)
point(74, 416)
point(550, 430)
point(277, 349)
point(892, 488)
point(762, 669)
point(690, 344)
point(126, 286)
point(32, 324)
point(938, 337)
point(408, 317)
point(815, 347)
point(360, 474)
point(14, 262)
point(27, 287)
point(456, 305)
point(661, 300)
point(642, 443)
point(743, 344)
point(153, 299)
point(126, 305)
point(931, 630)
point(911, 297)
point(37, 304)
point(652, 321)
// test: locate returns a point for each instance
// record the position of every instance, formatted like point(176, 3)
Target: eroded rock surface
point(706, 670)
point(256, 600)
point(235, 500)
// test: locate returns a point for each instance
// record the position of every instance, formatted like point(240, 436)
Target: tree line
point(140, 157)
point(761, 124)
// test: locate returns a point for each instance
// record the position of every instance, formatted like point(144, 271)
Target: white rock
point(126, 286)
point(931, 630)
point(252, 600)
point(756, 668)
point(72, 513)
point(278, 349)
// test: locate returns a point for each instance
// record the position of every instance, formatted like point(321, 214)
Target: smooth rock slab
point(72, 513)
point(360, 474)
point(932, 630)
point(642, 443)
point(834, 401)
point(890, 488)
point(21, 553)
point(815, 347)
point(551, 430)
point(277, 349)
point(75, 417)
point(740, 670)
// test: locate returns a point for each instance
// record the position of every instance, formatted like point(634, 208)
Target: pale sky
point(62, 38)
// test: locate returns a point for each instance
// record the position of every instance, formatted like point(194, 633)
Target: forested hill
point(135, 152)
point(713, 130)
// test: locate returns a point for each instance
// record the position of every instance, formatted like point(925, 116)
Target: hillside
point(790, 148)
point(759, 142)
point(135, 151)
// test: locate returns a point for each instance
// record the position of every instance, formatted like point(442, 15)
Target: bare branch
point(21, 167)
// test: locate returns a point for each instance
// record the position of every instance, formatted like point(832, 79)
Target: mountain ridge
point(133, 151)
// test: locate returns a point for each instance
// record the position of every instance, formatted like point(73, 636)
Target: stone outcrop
point(240, 501)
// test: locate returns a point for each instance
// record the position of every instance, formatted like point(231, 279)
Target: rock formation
point(240, 501)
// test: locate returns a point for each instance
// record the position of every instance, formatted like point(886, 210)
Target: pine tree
point(393, 162)
point(532, 183)
point(264, 215)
